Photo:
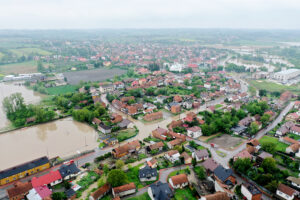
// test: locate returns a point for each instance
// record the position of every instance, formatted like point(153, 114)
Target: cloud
point(57, 14)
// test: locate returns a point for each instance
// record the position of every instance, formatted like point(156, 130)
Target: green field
point(274, 87)
point(1, 55)
point(27, 51)
point(19, 68)
point(125, 134)
point(144, 196)
point(294, 136)
point(280, 146)
point(61, 89)
point(182, 194)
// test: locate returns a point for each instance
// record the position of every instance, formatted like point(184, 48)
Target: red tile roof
point(124, 188)
point(179, 179)
point(286, 189)
point(46, 179)
point(19, 189)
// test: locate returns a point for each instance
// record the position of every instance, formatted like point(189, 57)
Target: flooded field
point(59, 138)
point(7, 89)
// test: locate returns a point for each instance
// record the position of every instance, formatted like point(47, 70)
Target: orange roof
point(19, 189)
point(179, 179)
point(101, 191)
point(290, 140)
point(123, 188)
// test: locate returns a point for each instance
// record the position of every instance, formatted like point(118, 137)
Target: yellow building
point(26, 169)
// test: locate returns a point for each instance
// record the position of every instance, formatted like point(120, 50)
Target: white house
point(172, 156)
point(179, 181)
point(250, 191)
point(124, 190)
point(176, 67)
point(200, 155)
point(294, 181)
point(194, 132)
point(207, 85)
point(106, 88)
point(295, 129)
point(285, 192)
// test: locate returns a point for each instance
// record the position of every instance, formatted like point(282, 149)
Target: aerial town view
point(148, 100)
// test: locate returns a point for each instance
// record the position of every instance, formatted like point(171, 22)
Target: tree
point(105, 169)
point(153, 67)
point(265, 118)
point(272, 186)
point(120, 164)
point(269, 165)
point(117, 177)
point(262, 93)
point(13, 103)
point(200, 171)
point(40, 66)
point(58, 196)
point(254, 128)
point(242, 165)
point(269, 147)
point(194, 162)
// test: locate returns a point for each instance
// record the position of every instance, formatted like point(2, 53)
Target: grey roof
point(124, 123)
point(161, 191)
point(201, 153)
point(222, 173)
point(252, 189)
point(147, 172)
point(66, 170)
point(210, 164)
point(239, 129)
point(104, 126)
point(70, 192)
point(21, 168)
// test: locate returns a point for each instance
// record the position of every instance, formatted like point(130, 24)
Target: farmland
point(27, 51)
point(19, 68)
point(92, 75)
point(61, 89)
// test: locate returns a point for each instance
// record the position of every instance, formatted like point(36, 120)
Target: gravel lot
point(92, 75)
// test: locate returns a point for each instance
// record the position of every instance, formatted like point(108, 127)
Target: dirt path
point(86, 192)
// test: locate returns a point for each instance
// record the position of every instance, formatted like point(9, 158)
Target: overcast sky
point(92, 14)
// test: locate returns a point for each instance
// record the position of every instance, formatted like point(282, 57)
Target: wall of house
point(24, 173)
point(128, 192)
point(246, 193)
point(284, 196)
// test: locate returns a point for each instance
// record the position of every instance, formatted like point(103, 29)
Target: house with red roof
point(243, 154)
point(52, 178)
point(39, 193)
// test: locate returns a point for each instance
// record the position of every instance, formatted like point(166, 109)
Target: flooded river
point(62, 138)
point(6, 89)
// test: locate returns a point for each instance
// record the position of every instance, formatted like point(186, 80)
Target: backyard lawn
point(182, 194)
point(61, 89)
point(125, 134)
point(133, 176)
point(280, 146)
point(273, 87)
point(294, 136)
point(173, 173)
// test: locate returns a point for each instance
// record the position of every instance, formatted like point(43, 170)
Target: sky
point(95, 14)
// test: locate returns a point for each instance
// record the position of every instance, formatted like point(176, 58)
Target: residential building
point(210, 165)
point(286, 192)
point(216, 196)
point(157, 146)
point(124, 190)
point(253, 146)
point(176, 67)
point(174, 143)
point(52, 178)
point(104, 129)
point(152, 162)
point(172, 156)
point(39, 193)
point(147, 174)
point(239, 130)
point(179, 181)
point(225, 176)
point(69, 171)
point(186, 157)
point(251, 192)
point(116, 118)
point(242, 155)
point(125, 123)
point(200, 155)
point(160, 191)
point(283, 130)
point(294, 181)
point(160, 133)
point(153, 116)
point(106, 88)
point(96, 121)
point(293, 148)
point(19, 190)
point(296, 130)
point(194, 132)
point(130, 147)
point(286, 75)
point(100, 192)
point(263, 155)
point(175, 109)
point(70, 194)
point(26, 169)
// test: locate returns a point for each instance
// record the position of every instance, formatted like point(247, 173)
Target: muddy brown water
point(6, 89)
point(62, 138)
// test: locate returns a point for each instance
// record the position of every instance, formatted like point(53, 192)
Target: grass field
point(274, 87)
point(280, 146)
point(27, 51)
point(144, 196)
point(61, 89)
point(125, 134)
point(294, 136)
point(19, 68)
point(182, 194)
